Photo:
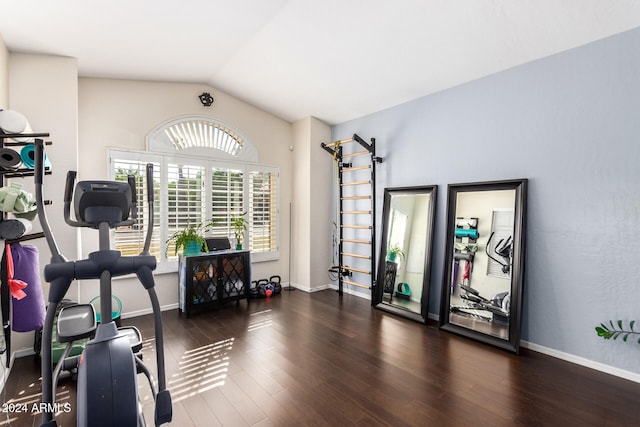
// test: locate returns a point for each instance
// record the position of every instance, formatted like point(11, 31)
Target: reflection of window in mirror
point(397, 230)
point(502, 230)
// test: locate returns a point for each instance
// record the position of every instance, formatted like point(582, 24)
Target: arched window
point(201, 136)
point(204, 133)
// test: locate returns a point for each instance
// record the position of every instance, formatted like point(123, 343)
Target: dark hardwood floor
point(320, 360)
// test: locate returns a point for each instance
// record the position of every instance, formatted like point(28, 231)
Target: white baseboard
point(299, 287)
point(307, 289)
point(148, 311)
point(621, 373)
point(23, 353)
point(348, 290)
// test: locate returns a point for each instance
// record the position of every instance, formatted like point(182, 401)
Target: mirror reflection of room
point(481, 271)
point(406, 248)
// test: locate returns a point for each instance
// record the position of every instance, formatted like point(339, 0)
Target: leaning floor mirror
point(404, 265)
point(484, 262)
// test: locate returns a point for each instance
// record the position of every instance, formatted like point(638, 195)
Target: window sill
point(171, 267)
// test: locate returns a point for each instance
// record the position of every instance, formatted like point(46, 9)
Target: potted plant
point(393, 252)
point(190, 238)
point(239, 225)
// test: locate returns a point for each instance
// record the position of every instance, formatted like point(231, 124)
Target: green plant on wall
point(614, 331)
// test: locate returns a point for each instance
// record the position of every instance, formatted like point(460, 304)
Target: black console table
point(211, 279)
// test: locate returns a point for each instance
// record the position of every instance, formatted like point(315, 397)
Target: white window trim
point(269, 256)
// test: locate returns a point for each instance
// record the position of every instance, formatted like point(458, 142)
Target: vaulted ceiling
point(332, 59)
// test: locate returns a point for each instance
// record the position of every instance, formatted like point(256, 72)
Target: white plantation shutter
point(130, 240)
point(227, 198)
point(185, 197)
point(263, 211)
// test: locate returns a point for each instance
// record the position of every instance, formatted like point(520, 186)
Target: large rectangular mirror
point(404, 265)
point(484, 261)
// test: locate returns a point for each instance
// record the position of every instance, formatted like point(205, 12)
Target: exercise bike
point(107, 370)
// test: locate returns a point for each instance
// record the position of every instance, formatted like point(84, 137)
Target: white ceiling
point(332, 59)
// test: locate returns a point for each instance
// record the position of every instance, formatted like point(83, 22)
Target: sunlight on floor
point(258, 322)
point(149, 352)
point(29, 400)
point(201, 369)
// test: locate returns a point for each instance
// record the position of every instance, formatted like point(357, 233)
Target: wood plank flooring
point(318, 359)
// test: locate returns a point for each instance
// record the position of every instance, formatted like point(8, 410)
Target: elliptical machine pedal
point(76, 322)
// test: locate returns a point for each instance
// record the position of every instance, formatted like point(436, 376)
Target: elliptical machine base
point(108, 359)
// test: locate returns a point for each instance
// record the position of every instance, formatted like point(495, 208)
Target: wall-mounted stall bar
point(356, 180)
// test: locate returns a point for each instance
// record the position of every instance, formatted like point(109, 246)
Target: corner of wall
point(4, 103)
point(320, 211)
point(311, 196)
point(4, 74)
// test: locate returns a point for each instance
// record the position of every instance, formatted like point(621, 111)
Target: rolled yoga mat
point(9, 159)
point(12, 122)
point(28, 312)
point(466, 232)
point(14, 228)
point(28, 156)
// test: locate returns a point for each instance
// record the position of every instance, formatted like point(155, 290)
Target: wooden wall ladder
point(356, 203)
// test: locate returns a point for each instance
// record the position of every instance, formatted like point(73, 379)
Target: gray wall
point(570, 123)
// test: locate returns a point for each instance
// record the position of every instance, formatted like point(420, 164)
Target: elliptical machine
point(107, 390)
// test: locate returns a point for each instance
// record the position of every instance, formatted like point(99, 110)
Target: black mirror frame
point(517, 278)
point(377, 294)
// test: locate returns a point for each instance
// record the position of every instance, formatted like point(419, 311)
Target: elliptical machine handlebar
point(147, 240)
point(68, 189)
point(131, 180)
point(68, 195)
point(42, 214)
point(150, 182)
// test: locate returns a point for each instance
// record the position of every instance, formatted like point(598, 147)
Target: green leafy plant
point(394, 251)
point(239, 225)
point(190, 233)
point(614, 331)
